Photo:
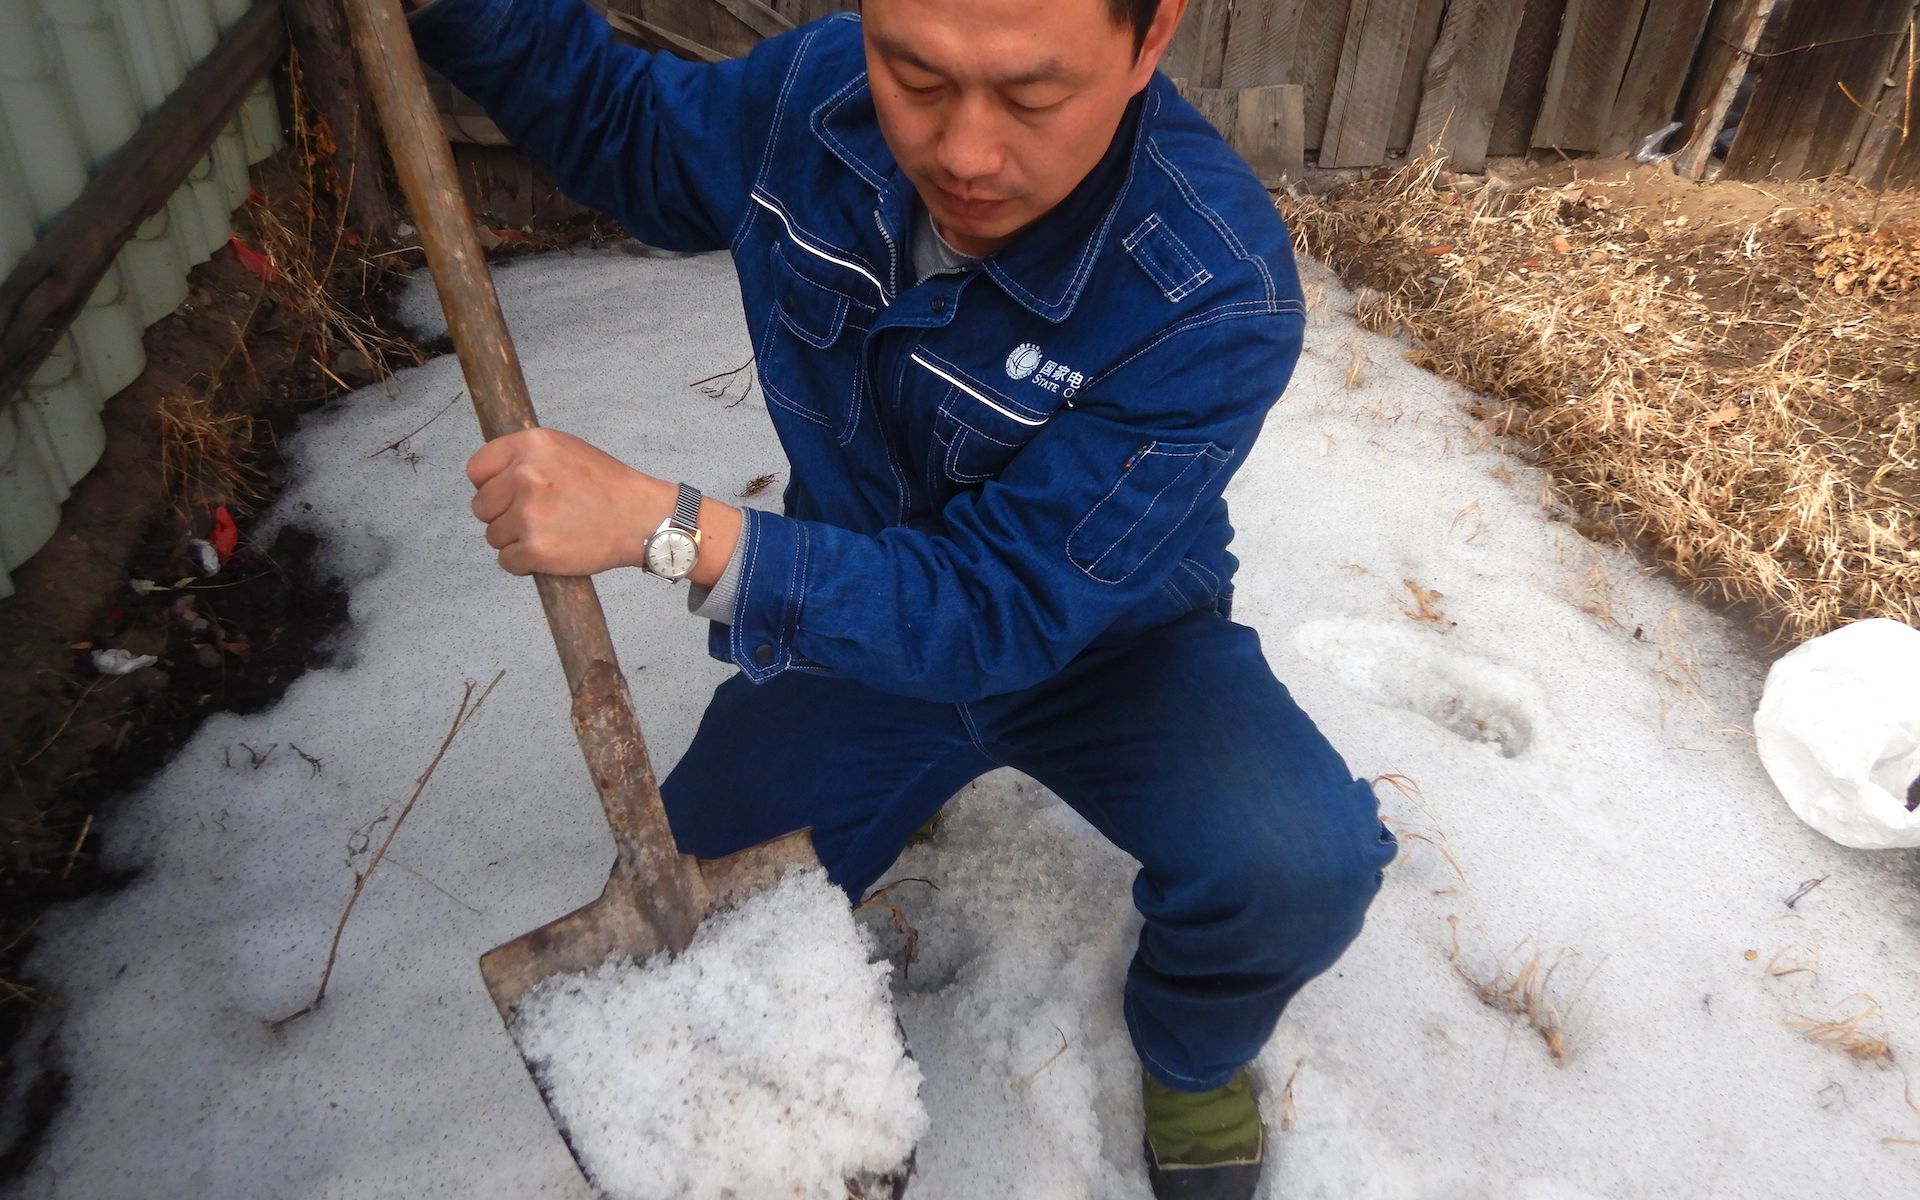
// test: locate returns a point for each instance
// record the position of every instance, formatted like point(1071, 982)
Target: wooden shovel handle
point(432, 185)
point(648, 864)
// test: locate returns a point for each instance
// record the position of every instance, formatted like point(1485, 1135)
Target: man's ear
point(1159, 36)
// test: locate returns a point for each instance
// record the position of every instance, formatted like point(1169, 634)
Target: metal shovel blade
point(656, 896)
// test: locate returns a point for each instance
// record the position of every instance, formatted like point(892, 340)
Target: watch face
point(670, 553)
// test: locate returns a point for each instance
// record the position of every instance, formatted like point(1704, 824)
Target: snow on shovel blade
point(610, 1039)
point(655, 897)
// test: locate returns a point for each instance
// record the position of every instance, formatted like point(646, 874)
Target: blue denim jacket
point(991, 471)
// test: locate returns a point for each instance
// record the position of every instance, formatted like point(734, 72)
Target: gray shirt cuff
point(716, 603)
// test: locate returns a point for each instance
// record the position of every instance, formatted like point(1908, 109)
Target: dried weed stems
point(1738, 393)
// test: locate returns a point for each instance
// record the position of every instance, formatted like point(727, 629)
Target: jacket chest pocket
point(811, 346)
point(976, 430)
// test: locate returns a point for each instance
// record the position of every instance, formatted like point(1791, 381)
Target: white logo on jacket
point(1020, 363)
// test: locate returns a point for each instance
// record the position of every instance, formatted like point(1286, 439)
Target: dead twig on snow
point(469, 708)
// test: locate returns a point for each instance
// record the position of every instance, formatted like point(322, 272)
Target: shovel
point(656, 896)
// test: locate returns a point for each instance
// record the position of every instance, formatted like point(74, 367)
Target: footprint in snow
point(1472, 698)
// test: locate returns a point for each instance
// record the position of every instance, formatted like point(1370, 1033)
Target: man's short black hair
point(1136, 14)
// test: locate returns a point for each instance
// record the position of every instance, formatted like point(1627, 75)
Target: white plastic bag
point(1839, 731)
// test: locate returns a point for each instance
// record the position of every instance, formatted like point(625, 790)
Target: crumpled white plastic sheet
point(1839, 731)
point(121, 662)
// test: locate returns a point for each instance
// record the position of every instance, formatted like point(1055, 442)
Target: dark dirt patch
point(233, 370)
point(227, 376)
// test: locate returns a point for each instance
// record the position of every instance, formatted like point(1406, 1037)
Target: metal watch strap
point(686, 509)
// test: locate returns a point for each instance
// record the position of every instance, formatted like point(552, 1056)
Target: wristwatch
point(675, 546)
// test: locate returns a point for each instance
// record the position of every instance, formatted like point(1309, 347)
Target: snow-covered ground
point(1573, 787)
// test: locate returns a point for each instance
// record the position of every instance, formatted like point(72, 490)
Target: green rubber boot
point(1203, 1145)
point(924, 834)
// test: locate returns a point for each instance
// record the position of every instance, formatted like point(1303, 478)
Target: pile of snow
point(763, 1061)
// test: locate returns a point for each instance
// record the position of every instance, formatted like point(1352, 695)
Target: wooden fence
point(1369, 81)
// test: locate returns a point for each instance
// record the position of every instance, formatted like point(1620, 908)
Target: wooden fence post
point(330, 82)
point(1731, 38)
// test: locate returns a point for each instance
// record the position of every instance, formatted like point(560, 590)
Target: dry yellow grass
point(1530, 987)
point(1737, 394)
point(1861, 1034)
point(205, 454)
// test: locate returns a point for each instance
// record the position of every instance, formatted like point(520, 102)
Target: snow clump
point(763, 1061)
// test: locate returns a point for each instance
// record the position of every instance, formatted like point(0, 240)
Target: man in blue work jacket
point(1018, 313)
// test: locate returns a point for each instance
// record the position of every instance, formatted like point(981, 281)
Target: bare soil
point(228, 374)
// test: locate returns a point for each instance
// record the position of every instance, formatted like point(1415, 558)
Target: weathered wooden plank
point(1270, 132)
point(757, 16)
point(1316, 65)
point(506, 189)
point(1266, 125)
point(1890, 148)
point(1802, 119)
point(1464, 78)
point(330, 81)
point(1406, 108)
point(1596, 40)
point(1198, 49)
point(658, 37)
point(802, 11)
point(1657, 71)
point(703, 22)
point(44, 292)
point(1368, 88)
point(1220, 106)
point(1261, 41)
point(1732, 33)
point(1533, 49)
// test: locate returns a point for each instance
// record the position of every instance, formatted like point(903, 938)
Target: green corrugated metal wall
point(76, 78)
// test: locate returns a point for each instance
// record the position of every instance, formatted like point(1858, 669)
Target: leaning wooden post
point(1711, 117)
point(331, 82)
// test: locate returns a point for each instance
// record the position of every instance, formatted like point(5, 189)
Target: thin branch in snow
point(905, 928)
point(717, 386)
point(312, 760)
point(1020, 1085)
point(424, 878)
point(398, 446)
point(469, 708)
point(1800, 892)
point(1287, 1110)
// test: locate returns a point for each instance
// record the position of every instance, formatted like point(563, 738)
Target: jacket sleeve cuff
point(773, 587)
point(716, 603)
point(452, 29)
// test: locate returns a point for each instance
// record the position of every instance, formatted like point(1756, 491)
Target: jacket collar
point(1046, 268)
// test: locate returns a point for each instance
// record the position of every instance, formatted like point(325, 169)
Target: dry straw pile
point(1729, 376)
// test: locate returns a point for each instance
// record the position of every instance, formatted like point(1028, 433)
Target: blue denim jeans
point(1259, 851)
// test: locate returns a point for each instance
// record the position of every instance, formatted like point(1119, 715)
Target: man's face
point(996, 109)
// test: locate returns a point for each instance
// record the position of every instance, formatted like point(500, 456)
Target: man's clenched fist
point(555, 505)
